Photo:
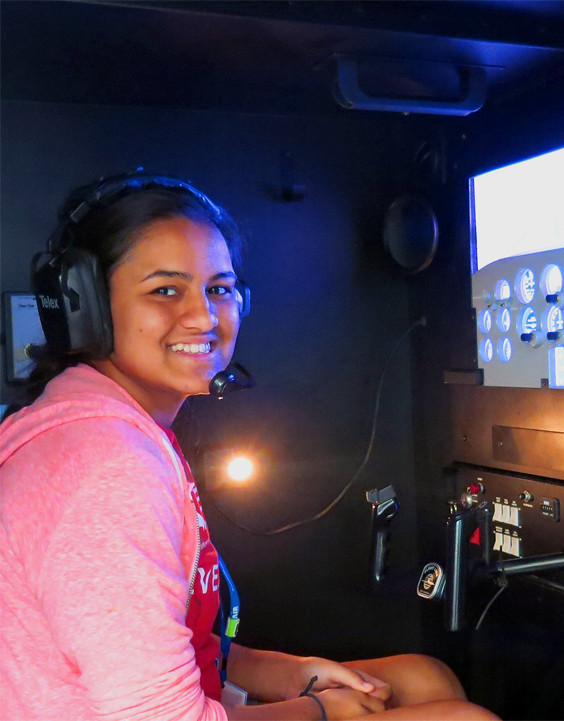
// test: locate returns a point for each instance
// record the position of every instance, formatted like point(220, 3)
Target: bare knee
point(424, 689)
point(414, 678)
point(455, 710)
point(438, 679)
point(466, 711)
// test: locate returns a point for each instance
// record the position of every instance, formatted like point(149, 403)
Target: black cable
point(489, 605)
point(503, 583)
point(421, 322)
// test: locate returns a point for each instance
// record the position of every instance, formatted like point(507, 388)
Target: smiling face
point(175, 315)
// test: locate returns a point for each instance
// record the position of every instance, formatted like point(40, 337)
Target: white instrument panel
point(519, 304)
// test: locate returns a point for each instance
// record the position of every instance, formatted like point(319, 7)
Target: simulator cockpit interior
point(390, 479)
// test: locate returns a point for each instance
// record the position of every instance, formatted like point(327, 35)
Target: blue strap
point(229, 626)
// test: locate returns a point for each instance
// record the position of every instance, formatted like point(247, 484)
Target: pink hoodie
point(98, 544)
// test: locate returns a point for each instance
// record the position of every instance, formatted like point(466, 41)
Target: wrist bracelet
point(318, 702)
point(306, 692)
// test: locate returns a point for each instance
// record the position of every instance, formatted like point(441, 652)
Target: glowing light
point(240, 469)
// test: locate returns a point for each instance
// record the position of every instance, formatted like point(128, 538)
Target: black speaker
point(69, 285)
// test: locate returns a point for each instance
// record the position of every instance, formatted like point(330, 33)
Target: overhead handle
point(348, 93)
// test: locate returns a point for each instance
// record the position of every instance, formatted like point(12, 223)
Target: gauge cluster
point(519, 305)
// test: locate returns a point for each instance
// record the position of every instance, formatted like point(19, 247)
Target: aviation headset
point(70, 287)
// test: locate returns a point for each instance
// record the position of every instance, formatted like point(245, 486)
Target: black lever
point(456, 566)
point(384, 508)
point(461, 522)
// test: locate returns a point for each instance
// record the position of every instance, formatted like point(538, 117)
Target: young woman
point(109, 581)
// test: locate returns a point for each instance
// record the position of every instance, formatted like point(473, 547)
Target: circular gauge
point(551, 279)
point(504, 350)
point(553, 319)
point(503, 320)
point(527, 321)
point(485, 321)
point(525, 285)
point(502, 290)
point(486, 350)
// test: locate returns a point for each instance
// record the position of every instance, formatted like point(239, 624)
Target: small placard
point(23, 329)
point(232, 695)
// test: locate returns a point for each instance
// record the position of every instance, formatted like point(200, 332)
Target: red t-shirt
point(204, 602)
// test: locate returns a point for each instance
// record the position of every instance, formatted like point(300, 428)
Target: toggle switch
point(515, 546)
point(514, 516)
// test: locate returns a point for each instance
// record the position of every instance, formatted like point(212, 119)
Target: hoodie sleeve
point(112, 585)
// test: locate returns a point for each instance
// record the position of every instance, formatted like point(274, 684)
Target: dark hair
point(108, 230)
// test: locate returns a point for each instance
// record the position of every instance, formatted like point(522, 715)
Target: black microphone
point(234, 378)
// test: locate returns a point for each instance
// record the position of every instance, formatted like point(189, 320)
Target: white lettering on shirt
point(205, 578)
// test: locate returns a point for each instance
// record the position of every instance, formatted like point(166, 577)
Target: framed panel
point(23, 328)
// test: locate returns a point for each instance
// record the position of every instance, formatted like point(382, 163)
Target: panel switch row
point(504, 513)
point(507, 543)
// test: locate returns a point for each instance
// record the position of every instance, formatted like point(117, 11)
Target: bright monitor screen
point(517, 209)
point(517, 249)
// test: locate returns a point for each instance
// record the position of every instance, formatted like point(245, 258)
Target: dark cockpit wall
point(309, 121)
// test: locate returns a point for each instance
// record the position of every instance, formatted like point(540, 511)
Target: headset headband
point(104, 191)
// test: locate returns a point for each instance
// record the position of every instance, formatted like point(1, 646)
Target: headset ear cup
point(243, 297)
point(74, 305)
